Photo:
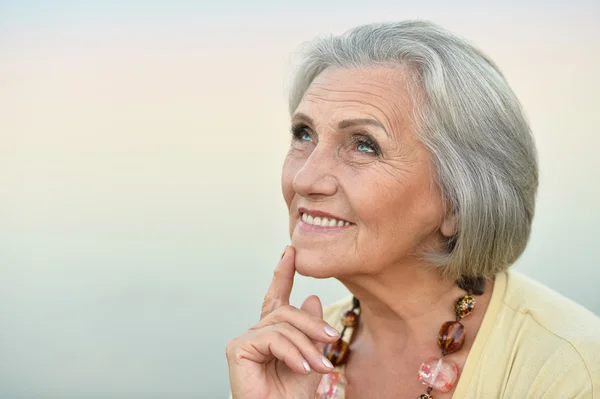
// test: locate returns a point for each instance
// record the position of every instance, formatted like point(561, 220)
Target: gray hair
point(471, 122)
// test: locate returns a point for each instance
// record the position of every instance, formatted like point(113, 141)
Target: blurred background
point(140, 150)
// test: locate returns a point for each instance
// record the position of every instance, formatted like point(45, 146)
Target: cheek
point(394, 213)
point(373, 199)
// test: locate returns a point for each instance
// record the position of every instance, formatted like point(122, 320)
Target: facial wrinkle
point(396, 126)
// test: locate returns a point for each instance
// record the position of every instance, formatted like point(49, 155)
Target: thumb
point(312, 305)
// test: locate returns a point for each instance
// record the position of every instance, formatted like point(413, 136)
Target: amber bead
point(425, 396)
point(464, 306)
point(336, 352)
point(451, 337)
point(350, 318)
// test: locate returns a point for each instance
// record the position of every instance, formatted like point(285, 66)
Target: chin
point(316, 264)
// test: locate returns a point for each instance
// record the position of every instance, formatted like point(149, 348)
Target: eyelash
point(360, 139)
point(299, 130)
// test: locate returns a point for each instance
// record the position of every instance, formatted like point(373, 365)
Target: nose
point(317, 177)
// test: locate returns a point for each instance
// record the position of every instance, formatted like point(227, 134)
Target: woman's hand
point(281, 356)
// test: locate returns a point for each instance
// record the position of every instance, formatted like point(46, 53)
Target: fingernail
point(284, 251)
point(332, 332)
point(327, 363)
point(306, 366)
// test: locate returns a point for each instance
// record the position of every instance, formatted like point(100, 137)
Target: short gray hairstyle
point(471, 122)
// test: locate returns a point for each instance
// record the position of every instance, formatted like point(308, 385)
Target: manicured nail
point(284, 251)
point(327, 363)
point(332, 332)
point(306, 366)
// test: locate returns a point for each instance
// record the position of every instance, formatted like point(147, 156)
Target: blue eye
point(365, 147)
point(301, 133)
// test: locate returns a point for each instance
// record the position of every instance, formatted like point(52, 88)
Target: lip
point(311, 228)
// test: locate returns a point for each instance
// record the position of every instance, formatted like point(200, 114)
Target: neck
point(403, 307)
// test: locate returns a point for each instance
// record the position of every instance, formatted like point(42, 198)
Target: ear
point(449, 225)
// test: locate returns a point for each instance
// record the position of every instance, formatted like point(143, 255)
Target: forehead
point(377, 92)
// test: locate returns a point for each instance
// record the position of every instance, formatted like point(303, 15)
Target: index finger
point(280, 289)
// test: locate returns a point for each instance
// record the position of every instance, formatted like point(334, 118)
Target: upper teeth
point(325, 222)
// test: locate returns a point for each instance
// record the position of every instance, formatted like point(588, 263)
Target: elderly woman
point(411, 178)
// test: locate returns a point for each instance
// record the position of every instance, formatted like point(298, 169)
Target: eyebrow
point(345, 123)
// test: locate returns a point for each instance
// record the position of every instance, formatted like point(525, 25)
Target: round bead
point(441, 374)
point(425, 396)
point(336, 352)
point(451, 337)
point(464, 306)
point(350, 318)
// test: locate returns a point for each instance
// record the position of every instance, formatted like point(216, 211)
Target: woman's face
point(355, 157)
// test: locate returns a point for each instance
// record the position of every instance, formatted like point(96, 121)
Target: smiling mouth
point(323, 221)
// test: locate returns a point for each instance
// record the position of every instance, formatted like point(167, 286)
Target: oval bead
point(464, 306)
point(441, 374)
point(332, 386)
point(350, 318)
point(451, 337)
point(425, 396)
point(336, 352)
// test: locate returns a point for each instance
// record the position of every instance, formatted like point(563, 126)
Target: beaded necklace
point(436, 373)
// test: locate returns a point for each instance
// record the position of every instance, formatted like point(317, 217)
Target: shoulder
point(563, 336)
point(552, 311)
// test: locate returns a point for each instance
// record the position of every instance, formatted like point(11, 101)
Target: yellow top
point(533, 343)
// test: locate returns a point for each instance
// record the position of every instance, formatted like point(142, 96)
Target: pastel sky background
point(140, 150)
